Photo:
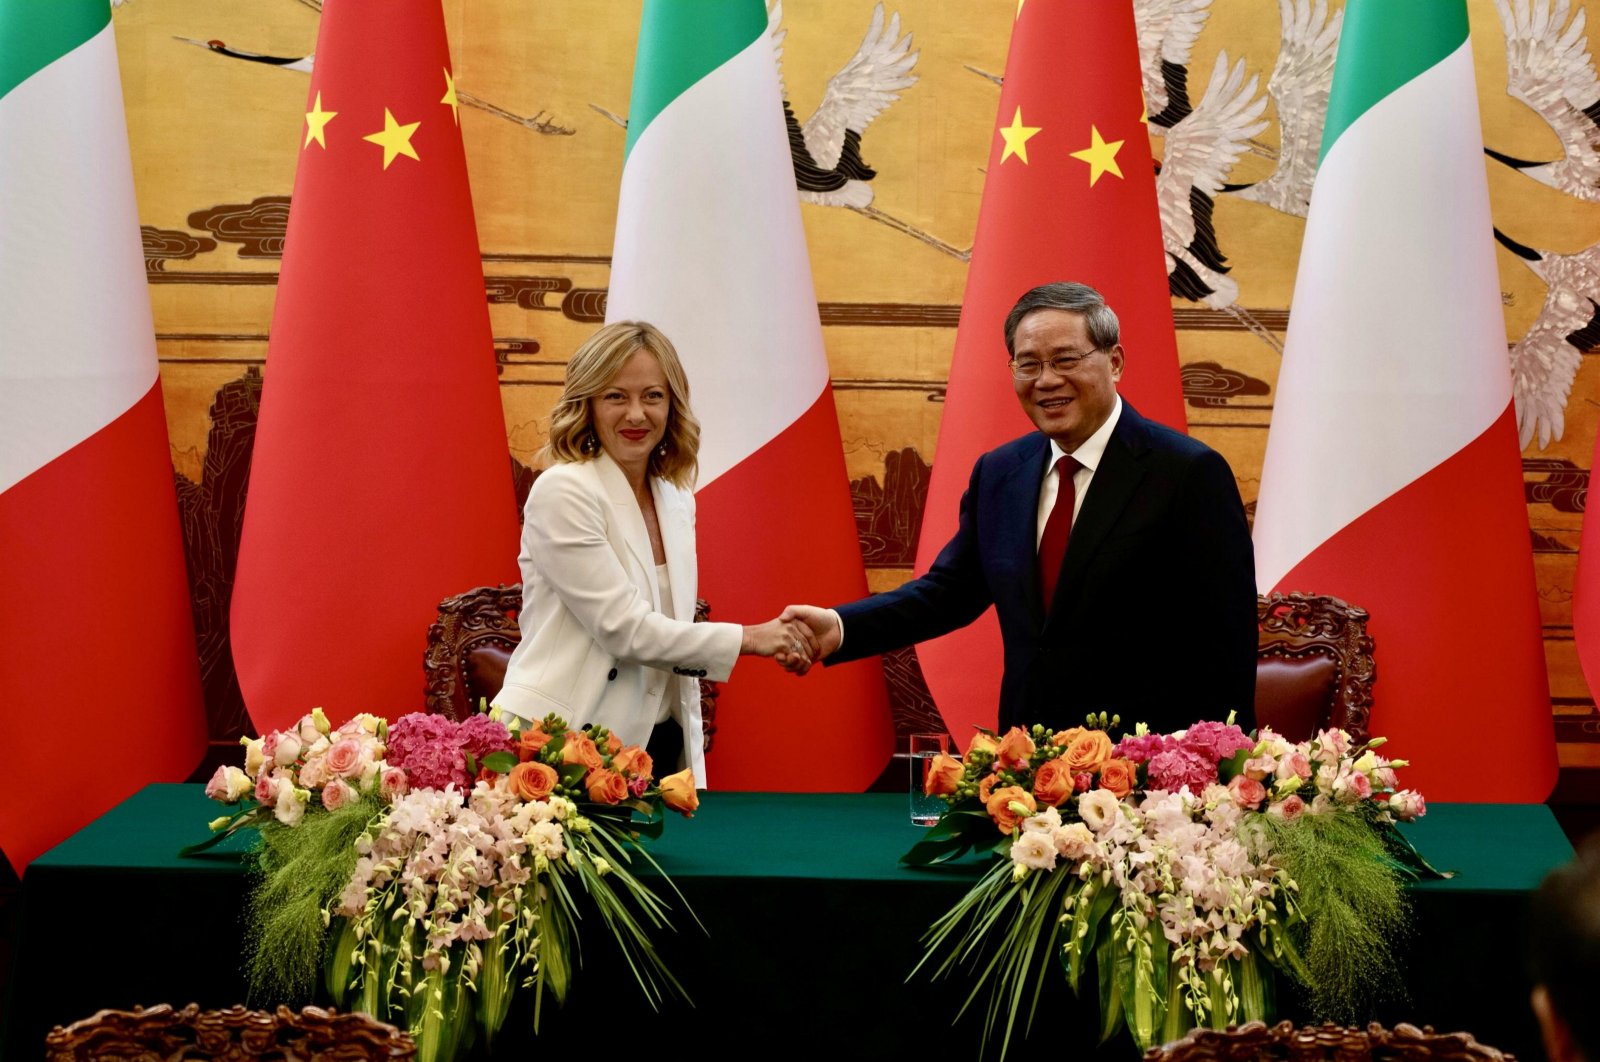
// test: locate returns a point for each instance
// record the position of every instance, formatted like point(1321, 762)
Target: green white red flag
point(94, 600)
point(710, 248)
point(1392, 477)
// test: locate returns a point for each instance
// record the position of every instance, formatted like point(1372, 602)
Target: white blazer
point(595, 647)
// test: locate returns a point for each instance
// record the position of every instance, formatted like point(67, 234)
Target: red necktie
point(1057, 529)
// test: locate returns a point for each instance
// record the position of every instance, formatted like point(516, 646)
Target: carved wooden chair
point(1284, 1042)
point(470, 644)
point(234, 1034)
point(1314, 665)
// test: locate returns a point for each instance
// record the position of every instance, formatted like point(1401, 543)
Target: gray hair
point(1098, 319)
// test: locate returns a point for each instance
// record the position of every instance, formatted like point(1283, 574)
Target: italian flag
point(1392, 476)
point(710, 248)
point(94, 601)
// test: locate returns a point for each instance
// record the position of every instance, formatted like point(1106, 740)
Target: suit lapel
point(677, 541)
point(1114, 482)
point(1018, 536)
point(625, 509)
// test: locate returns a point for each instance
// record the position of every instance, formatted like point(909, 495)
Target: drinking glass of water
point(925, 810)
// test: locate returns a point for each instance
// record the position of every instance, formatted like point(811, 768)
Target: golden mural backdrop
point(215, 97)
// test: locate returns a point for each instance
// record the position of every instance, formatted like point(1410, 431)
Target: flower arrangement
point(430, 867)
point(1185, 869)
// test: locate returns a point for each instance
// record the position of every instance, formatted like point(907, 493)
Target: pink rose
point(267, 787)
point(314, 772)
point(344, 758)
point(287, 751)
point(392, 783)
point(1408, 805)
point(1287, 809)
point(337, 793)
point(1247, 792)
point(1385, 777)
point(1295, 765)
point(218, 788)
point(1082, 781)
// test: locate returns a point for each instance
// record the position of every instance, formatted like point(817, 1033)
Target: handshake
point(798, 638)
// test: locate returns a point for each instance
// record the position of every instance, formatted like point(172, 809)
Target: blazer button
point(611, 676)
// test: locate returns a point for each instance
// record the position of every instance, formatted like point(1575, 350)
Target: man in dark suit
point(1114, 550)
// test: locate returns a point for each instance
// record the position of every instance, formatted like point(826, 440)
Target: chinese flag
point(1070, 195)
point(380, 481)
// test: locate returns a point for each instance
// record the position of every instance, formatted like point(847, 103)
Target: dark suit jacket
point(1155, 611)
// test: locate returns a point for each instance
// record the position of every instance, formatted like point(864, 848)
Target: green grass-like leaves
point(299, 871)
point(1351, 906)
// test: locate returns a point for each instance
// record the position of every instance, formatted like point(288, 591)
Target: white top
point(664, 593)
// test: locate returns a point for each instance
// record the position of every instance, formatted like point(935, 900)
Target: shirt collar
point(1094, 447)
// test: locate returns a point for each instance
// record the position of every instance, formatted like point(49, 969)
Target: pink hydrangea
point(428, 749)
point(1216, 741)
point(1173, 768)
point(480, 735)
point(1140, 748)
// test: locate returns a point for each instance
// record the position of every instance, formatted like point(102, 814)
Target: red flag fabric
point(380, 482)
point(1070, 195)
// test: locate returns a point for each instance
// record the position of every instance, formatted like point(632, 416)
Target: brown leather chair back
point(1314, 665)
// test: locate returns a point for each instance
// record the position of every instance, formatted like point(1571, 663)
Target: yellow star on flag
point(317, 120)
point(1017, 136)
point(1101, 156)
point(450, 97)
point(395, 139)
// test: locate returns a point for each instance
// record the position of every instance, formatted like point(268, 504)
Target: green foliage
point(1351, 908)
point(299, 870)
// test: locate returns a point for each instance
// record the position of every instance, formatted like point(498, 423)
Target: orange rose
point(613, 744)
point(1118, 776)
point(1015, 748)
point(530, 741)
point(1066, 737)
point(1088, 750)
point(986, 786)
point(606, 787)
point(982, 742)
point(633, 760)
point(678, 792)
point(532, 780)
point(1052, 782)
point(943, 775)
point(1000, 810)
point(580, 749)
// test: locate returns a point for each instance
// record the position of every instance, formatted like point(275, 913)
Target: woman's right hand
point(792, 643)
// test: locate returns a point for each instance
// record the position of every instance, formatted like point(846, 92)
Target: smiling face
point(630, 412)
point(1066, 408)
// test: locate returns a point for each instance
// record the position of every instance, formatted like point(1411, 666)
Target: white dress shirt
point(1088, 455)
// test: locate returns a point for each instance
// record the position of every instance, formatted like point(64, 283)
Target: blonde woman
point(608, 560)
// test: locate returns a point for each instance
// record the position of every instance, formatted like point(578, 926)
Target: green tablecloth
point(812, 924)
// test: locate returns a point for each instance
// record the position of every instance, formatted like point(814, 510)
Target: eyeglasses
point(1063, 364)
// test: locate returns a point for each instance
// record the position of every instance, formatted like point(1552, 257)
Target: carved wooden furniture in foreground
point(470, 644)
point(1333, 1043)
point(1314, 665)
point(163, 1034)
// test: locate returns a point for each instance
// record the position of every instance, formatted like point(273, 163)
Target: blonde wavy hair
point(590, 371)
